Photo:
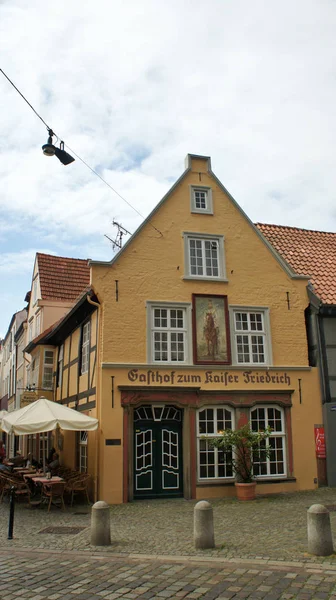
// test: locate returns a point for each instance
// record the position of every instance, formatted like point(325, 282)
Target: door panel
point(158, 455)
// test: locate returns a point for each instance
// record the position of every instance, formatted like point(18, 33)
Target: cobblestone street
point(261, 552)
point(40, 575)
point(274, 527)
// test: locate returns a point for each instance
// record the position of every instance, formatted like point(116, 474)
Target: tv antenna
point(117, 242)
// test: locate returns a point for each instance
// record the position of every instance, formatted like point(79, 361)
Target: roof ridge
point(292, 227)
point(63, 257)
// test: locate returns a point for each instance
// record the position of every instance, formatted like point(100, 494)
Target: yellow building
point(197, 325)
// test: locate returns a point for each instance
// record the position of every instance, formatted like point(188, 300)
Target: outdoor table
point(26, 470)
point(43, 479)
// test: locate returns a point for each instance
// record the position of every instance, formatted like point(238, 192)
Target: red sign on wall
point(320, 447)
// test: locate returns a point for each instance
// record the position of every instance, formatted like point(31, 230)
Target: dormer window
point(201, 200)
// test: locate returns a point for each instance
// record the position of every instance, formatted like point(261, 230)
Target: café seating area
point(38, 488)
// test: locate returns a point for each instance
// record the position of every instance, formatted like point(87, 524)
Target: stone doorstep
point(207, 560)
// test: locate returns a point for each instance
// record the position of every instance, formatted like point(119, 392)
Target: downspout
point(98, 402)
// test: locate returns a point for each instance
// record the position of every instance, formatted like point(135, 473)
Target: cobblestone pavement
point(42, 575)
point(273, 527)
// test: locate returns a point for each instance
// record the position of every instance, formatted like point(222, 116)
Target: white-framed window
point(60, 366)
point(85, 348)
point(37, 324)
point(213, 463)
point(48, 368)
point(83, 451)
point(30, 330)
point(201, 200)
point(251, 338)
point(34, 372)
point(273, 465)
point(169, 331)
point(204, 257)
point(34, 294)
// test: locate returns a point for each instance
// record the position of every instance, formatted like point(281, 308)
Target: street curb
point(282, 565)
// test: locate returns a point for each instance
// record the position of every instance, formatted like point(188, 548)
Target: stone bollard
point(203, 525)
point(319, 531)
point(100, 524)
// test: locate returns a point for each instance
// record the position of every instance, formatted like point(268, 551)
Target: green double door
point(158, 452)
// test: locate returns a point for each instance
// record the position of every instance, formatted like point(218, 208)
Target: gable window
point(30, 330)
point(204, 257)
point(85, 348)
point(201, 200)
point(275, 463)
point(251, 332)
point(213, 463)
point(168, 339)
point(48, 365)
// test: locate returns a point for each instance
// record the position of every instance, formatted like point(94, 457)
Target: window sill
point(200, 278)
point(231, 482)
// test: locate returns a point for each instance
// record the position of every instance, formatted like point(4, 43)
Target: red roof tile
point(62, 278)
point(308, 252)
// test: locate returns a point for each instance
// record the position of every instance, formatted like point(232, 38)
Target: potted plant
point(245, 447)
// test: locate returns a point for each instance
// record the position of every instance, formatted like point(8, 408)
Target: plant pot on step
point(246, 491)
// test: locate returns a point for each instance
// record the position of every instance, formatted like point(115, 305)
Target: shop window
point(273, 465)
point(213, 463)
point(169, 329)
point(251, 336)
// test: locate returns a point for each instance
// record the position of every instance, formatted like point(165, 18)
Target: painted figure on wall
point(210, 329)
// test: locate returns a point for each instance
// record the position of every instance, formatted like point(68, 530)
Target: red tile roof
point(308, 252)
point(62, 278)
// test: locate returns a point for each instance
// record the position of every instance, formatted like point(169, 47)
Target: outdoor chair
point(53, 492)
point(21, 488)
point(78, 485)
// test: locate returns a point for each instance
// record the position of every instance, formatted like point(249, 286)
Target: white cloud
point(133, 87)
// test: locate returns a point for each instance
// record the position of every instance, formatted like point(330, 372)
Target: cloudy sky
point(133, 87)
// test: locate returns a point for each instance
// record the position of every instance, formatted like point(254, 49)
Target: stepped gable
point(62, 278)
point(308, 252)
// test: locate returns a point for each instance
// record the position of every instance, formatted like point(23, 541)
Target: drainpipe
point(98, 400)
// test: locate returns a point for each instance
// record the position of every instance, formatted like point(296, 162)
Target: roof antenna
point(117, 243)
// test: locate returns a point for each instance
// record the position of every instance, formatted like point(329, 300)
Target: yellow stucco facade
point(263, 367)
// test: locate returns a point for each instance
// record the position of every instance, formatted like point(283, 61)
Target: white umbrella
point(43, 415)
point(3, 413)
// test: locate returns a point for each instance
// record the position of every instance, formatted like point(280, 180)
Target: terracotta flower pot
point(246, 491)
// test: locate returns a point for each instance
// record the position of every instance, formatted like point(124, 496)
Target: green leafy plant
point(243, 448)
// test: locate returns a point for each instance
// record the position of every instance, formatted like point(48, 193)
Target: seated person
point(55, 463)
point(4, 466)
point(18, 460)
point(50, 455)
point(32, 462)
point(2, 451)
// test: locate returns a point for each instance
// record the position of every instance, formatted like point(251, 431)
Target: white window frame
point(83, 451)
point(48, 368)
point(37, 324)
point(187, 330)
point(203, 238)
point(203, 436)
point(266, 334)
point(85, 350)
point(275, 435)
point(60, 360)
point(34, 290)
point(30, 329)
point(207, 191)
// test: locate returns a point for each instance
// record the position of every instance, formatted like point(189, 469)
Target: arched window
point(273, 465)
point(213, 463)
